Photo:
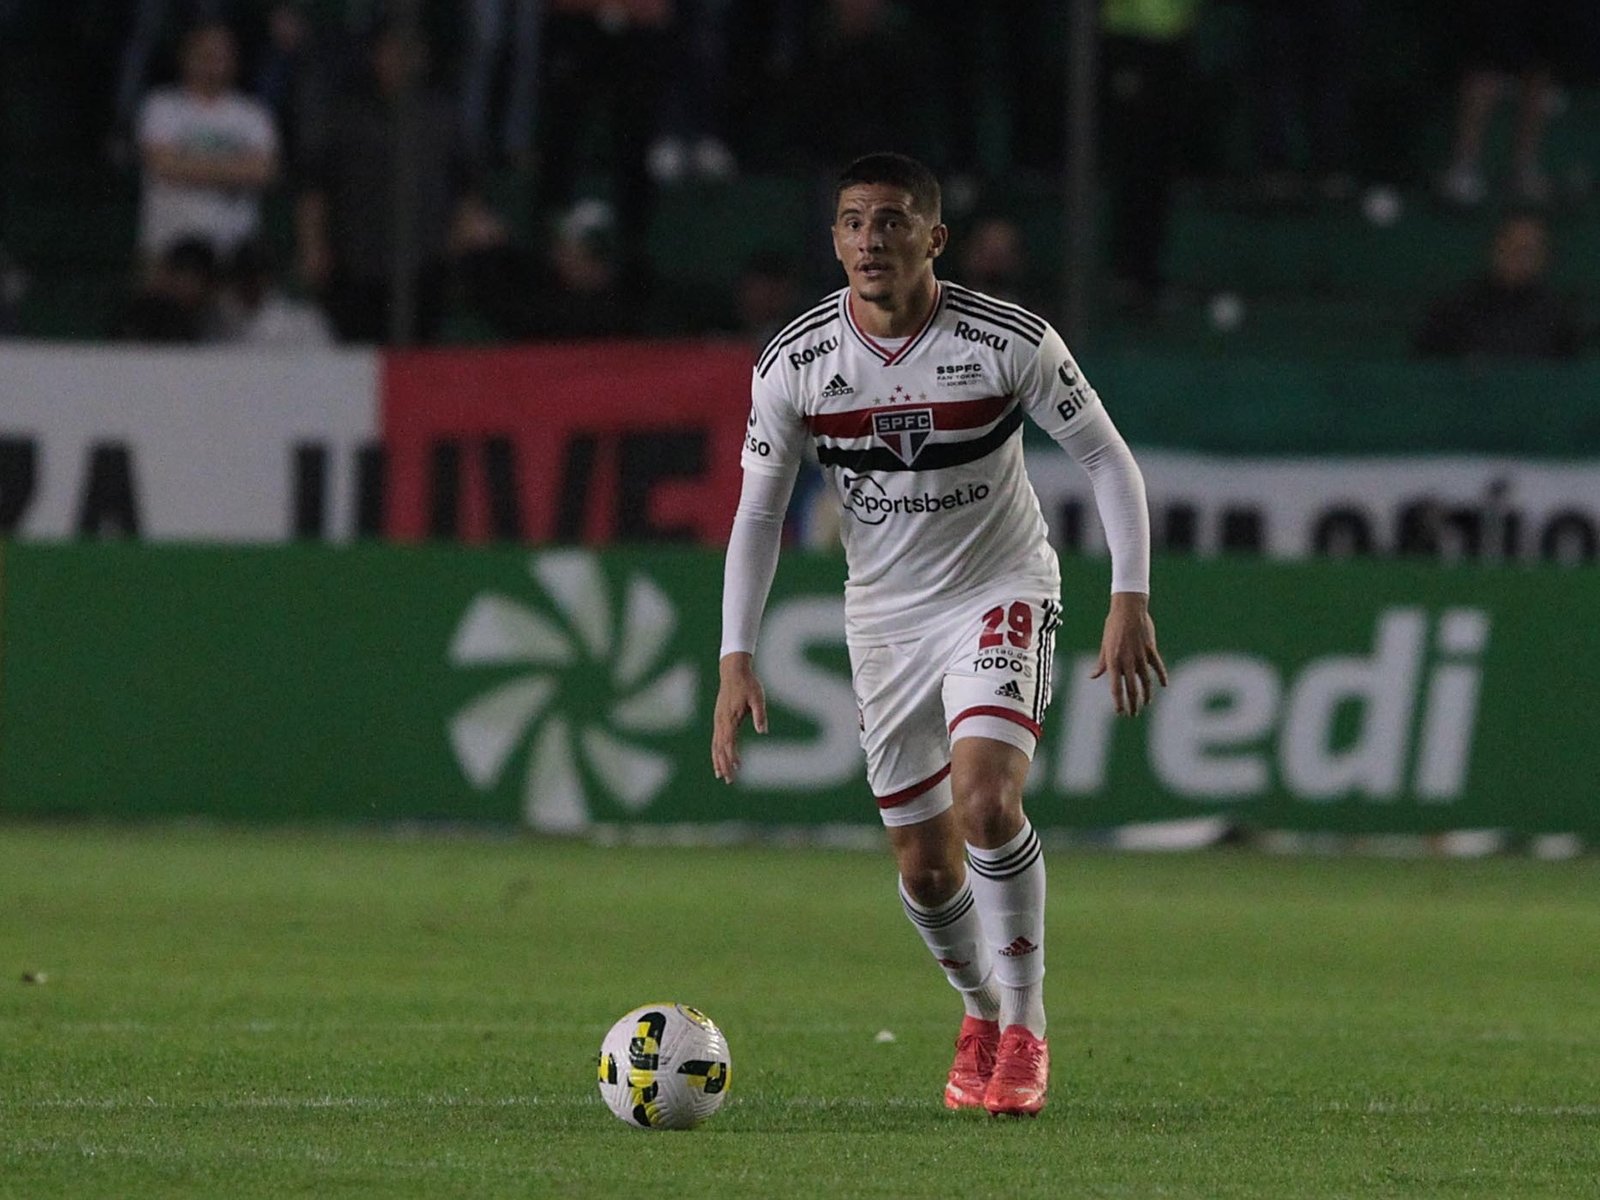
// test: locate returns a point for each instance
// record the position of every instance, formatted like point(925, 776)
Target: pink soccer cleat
point(969, 1073)
point(1021, 1074)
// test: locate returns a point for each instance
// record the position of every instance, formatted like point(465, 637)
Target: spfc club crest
point(903, 430)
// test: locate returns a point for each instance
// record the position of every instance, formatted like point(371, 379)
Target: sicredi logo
point(1212, 732)
point(1393, 720)
point(581, 637)
point(810, 354)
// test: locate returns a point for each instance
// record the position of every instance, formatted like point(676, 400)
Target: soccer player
point(913, 390)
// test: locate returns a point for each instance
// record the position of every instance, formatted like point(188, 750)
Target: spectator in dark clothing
point(693, 137)
point(496, 29)
point(604, 59)
point(576, 291)
point(1306, 60)
point(766, 57)
point(178, 302)
point(994, 261)
point(1147, 87)
point(13, 287)
point(766, 295)
point(254, 309)
point(998, 58)
point(1506, 41)
point(580, 288)
point(1511, 311)
point(845, 103)
point(394, 137)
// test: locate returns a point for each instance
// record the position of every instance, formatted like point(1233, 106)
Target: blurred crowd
point(387, 130)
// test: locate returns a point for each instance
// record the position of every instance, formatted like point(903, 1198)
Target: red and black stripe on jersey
point(1002, 412)
point(948, 414)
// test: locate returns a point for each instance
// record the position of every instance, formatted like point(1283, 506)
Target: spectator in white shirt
point(208, 151)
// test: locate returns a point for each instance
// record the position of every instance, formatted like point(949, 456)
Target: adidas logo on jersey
point(838, 387)
point(1009, 690)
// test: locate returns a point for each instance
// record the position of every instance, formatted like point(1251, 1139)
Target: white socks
point(1007, 884)
point(1001, 905)
point(955, 938)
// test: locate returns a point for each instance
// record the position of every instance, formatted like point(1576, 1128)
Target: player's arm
point(746, 580)
point(771, 460)
point(1068, 409)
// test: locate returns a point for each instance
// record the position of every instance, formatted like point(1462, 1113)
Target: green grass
point(242, 1014)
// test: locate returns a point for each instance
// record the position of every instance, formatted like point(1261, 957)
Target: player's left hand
point(1128, 653)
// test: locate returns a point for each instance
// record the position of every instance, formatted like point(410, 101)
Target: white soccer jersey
point(922, 443)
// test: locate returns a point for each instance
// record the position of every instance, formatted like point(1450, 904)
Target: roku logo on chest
point(971, 333)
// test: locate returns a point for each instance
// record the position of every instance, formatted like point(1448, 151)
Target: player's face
point(885, 245)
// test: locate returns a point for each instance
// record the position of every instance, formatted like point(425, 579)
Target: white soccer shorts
point(984, 671)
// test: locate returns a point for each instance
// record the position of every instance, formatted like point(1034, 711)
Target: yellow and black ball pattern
point(664, 1066)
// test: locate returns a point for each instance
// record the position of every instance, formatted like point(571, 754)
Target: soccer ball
point(664, 1066)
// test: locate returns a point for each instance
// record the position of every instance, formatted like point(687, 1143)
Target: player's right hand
point(740, 694)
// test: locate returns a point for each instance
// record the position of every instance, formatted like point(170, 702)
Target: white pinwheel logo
point(580, 640)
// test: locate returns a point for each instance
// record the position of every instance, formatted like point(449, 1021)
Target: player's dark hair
point(896, 170)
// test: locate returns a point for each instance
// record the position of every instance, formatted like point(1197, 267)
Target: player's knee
point(930, 884)
point(991, 812)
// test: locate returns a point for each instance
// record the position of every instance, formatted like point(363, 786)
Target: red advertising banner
point(594, 442)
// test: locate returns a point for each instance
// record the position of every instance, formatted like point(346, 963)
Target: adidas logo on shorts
point(838, 387)
point(1009, 690)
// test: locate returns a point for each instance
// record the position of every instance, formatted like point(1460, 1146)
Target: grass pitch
point(246, 1014)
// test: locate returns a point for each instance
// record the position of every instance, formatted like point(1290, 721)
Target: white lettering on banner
point(1214, 702)
point(1448, 506)
point(1210, 735)
point(800, 686)
point(1384, 686)
point(181, 444)
point(1217, 705)
point(1086, 750)
point(1452, 706)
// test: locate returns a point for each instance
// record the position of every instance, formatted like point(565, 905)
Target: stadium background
point(1305, 463)
point(268, 610)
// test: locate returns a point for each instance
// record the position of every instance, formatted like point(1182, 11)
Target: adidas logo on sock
point(1009, 690)
point(1018, 948)
point(838, 387)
